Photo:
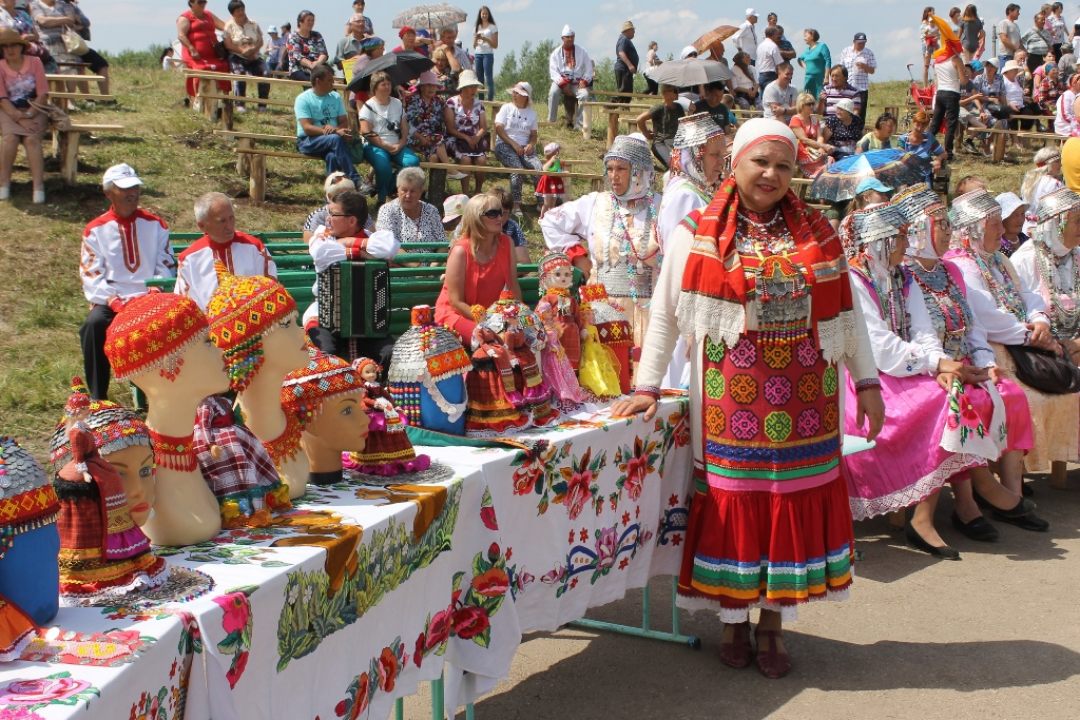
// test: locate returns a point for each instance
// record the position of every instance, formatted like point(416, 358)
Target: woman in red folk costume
point(770, 526)
point(103, 553)
point(388, 450)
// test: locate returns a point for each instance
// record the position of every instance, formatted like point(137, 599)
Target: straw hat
point(9, 36)
point(468, 79)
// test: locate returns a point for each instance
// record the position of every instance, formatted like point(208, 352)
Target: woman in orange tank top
point(480, 265)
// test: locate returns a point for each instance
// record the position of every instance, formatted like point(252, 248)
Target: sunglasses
point(494, 213)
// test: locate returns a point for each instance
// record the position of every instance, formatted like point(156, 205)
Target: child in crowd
point(274, 45)
point(551, 188)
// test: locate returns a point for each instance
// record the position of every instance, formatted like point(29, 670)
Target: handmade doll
point(558, 313)
point(495, 407)
point(237, 467)
point(612, 329)
point(160, 343)
point(29, 544)
point(389, 450)
point(325, 398)
point(123, 440)
point(253, 320)
point(103, 553)
point(599, 371)
point(426, 375)
point(522, 332)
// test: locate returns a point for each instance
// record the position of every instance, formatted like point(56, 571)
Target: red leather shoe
point(737, 653)
point(772, 663)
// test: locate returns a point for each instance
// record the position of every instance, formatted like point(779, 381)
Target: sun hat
point(1010, 202)
point(991, 61)
point(1009, 66)
point(468, 78)
point(872, 183)
point(454, 207)
point(273, 30)
point(522, 88)
point(9, 36)
point(846, 104)
point(627, 25)
point(122, 176)
point(428, 78)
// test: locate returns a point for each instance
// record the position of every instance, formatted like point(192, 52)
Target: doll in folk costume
point(558, 312)
point(599, 370)
point(29, 544)
point(103, 553)
point(495, 407)
point(254, 321)
point(523, 334)
point(426, 375)
point(388, 450)
point(612, 329)
point(237, 467)
point(326, 399)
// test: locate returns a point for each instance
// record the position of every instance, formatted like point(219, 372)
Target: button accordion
point(354, 299)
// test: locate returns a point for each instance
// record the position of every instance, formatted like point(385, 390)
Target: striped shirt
point(833, 95)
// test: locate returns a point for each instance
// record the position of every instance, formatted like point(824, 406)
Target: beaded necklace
point(950, 313)
point(777, 278)
point(620, 228)
point(285, 447)
point(891, 300)
point(1064, 312)
point(175, 452)
point(1005, 294)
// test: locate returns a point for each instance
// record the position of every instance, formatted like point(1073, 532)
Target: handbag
point(1044, 371)
point(997, 110)
point(74, 43)
point(220, 51)
point(57, 117)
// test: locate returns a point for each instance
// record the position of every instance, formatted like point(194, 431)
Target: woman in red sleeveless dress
point(195, 28)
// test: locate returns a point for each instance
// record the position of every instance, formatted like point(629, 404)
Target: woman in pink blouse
point(22, 85)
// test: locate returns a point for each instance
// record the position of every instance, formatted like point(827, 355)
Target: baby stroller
point(923, 99)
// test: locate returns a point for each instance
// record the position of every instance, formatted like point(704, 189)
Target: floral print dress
point(468, 123)
point(425, 118)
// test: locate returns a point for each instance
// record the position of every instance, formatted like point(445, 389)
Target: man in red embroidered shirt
point(120, 251)
point(221, 241)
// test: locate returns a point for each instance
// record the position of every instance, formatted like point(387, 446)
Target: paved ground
point(993, 636)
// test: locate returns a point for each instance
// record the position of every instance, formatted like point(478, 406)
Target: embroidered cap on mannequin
point(151, 333)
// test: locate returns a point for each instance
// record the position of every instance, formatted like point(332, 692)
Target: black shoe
point(978, 529)
point(1023, 507)
point(1027, 490)
point(969, 145)
point(944, 552)
point(1030, 521)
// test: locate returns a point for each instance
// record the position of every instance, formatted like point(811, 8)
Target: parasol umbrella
point(686, 73)
point(430, 16)
point(403, 67)
point(718, 34)
point(892, 167)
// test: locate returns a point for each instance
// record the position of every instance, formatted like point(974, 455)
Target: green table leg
point(399, 709)
point(644, 631)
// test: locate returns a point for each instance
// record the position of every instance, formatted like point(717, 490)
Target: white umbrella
point(686, 73)
point(430, 16)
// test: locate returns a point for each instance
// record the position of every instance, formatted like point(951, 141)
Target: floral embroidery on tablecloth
point(165, 704)
point(56, 689)
point(19, 713)
point(609, 548)
point(237, 622)
point(635, 464)
point(109, 649)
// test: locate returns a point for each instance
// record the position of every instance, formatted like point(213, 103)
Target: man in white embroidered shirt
point(571, 73)
point(241, 253)
point(120, 251)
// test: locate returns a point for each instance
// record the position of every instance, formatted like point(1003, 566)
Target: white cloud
point(513, 5)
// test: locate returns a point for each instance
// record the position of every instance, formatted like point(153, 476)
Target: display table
point(365, 591)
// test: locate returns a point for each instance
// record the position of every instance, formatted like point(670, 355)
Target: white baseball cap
point(751, 12)
point(122, 176)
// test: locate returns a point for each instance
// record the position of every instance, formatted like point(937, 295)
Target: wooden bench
point(58, 88)
point(208, 94)
point(66, 147)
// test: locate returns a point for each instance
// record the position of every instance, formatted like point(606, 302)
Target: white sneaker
point(5, 192)
point(196, 105)
point(240, 109)
point(456, 176)
point(39, 197)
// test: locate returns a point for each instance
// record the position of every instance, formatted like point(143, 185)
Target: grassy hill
point(178, 156)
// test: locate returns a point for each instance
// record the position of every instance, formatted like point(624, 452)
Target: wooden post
point(69, 155)
point(999, 146)
point(257, 183)
point(1059, 475)
point(586, 122)
point(227, 114)
point(243, 160)
point(205, 103)
point(612, 126)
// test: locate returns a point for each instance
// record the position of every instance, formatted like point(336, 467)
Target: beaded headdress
point(27, 498)
point(917, 202)
point(973, 207)
point(1056, 203)
point(78, 400)
point(152, 332)
point(550, 263)
point(878, 223)
point(426, 354)
point(242, 311)
point(304, 390)
point(114, 428)
point(633, 149)
point(694, 130)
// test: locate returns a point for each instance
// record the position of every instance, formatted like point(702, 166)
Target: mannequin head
point(326, 396)
point(244, 313)
point(124, 441)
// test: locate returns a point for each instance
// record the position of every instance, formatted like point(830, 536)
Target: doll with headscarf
point(937, 426)
point(494, 405)
point(1012, 313)
point(388, 450)
point(558, 312)
point(523, 334)
point(611, 235)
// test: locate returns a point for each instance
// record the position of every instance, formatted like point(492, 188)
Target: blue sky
point(892, 25)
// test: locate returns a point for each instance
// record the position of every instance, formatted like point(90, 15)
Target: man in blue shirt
point(626, 61)
point(322, 124)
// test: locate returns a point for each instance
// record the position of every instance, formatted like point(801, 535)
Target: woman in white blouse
point(1012, 313)
point(516, 128)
